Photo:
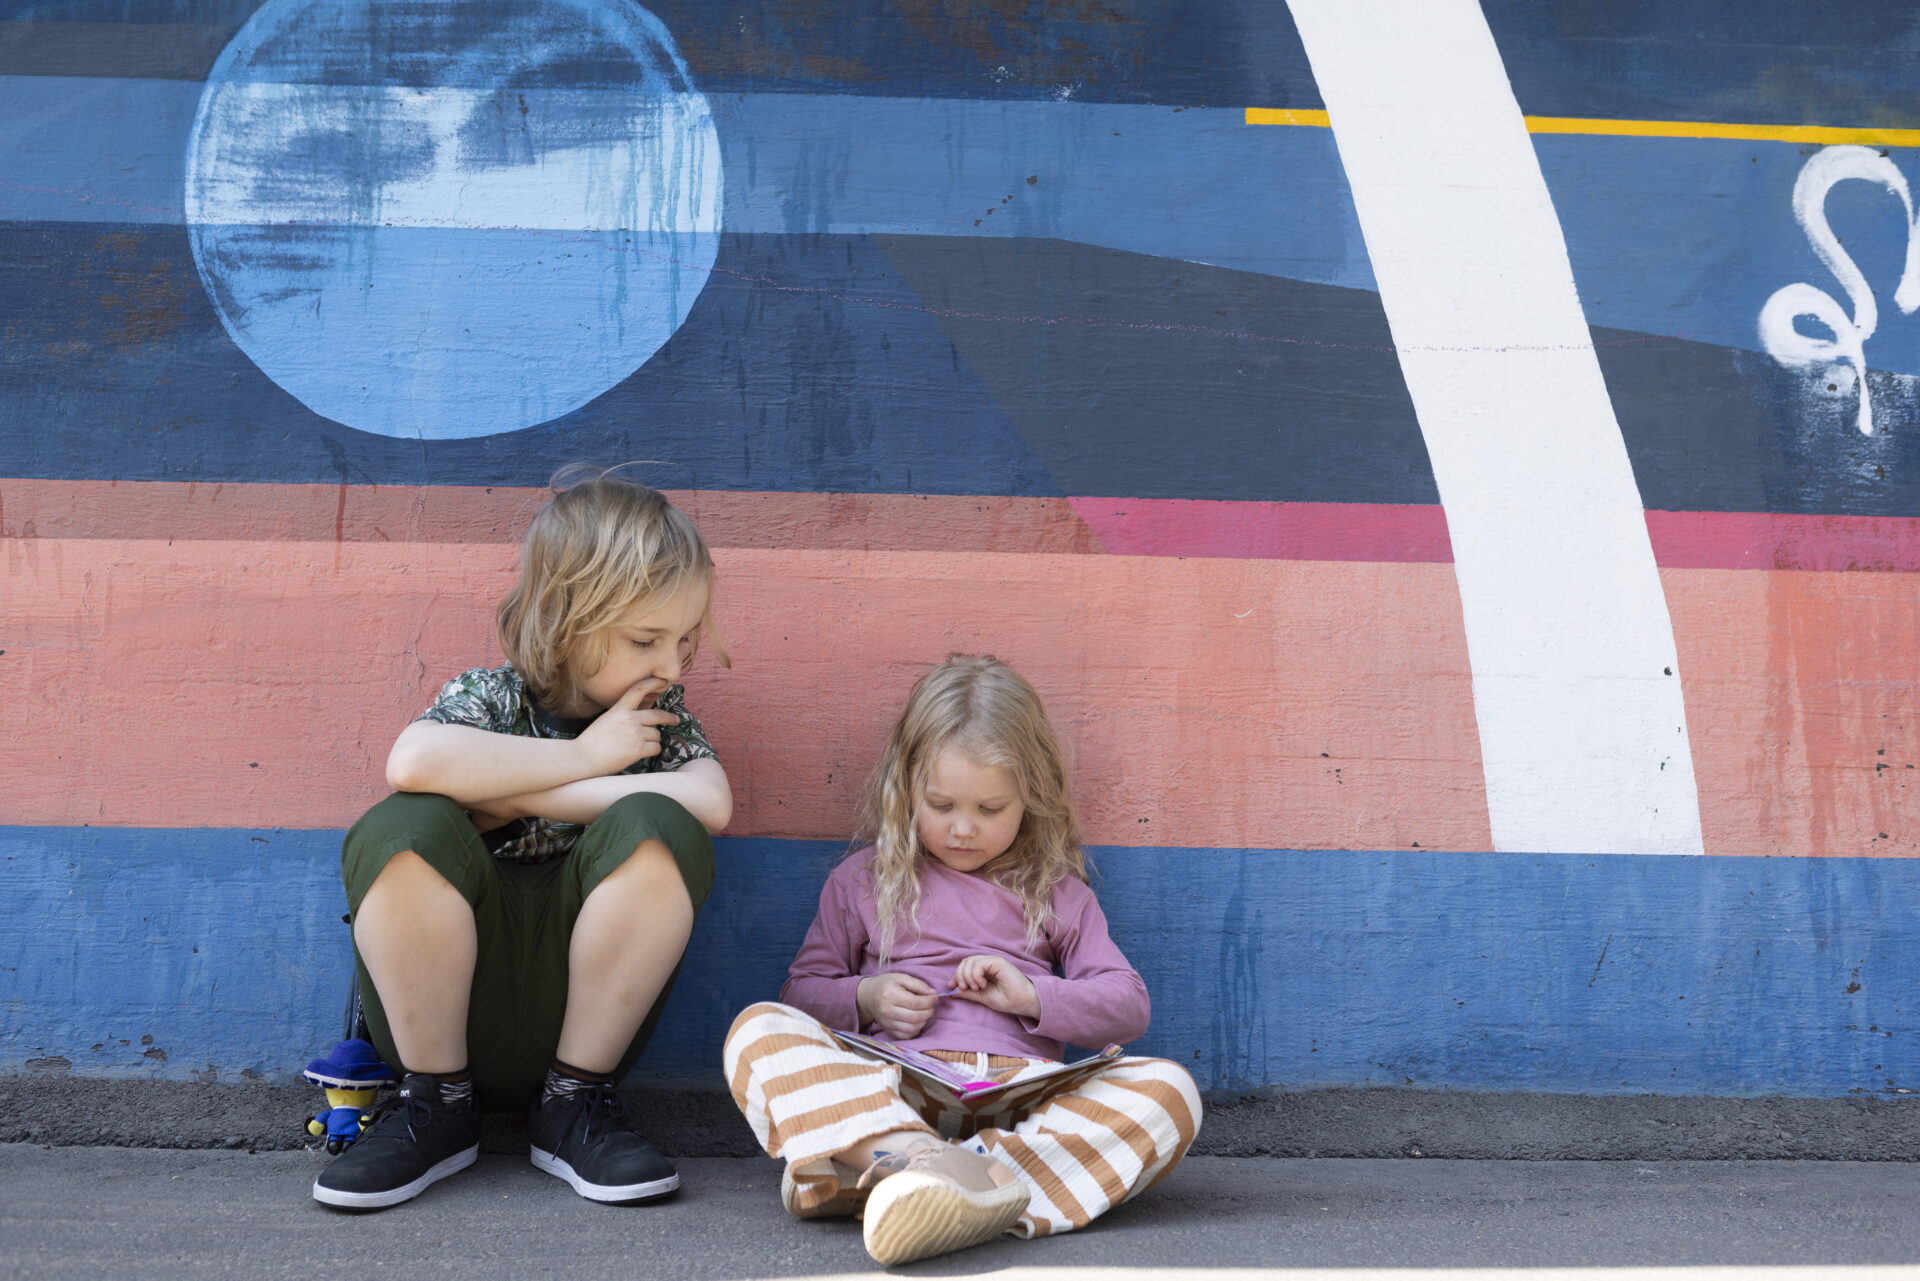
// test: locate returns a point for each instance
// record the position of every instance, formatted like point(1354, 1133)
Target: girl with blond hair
point(965, 931)
point(521, 903)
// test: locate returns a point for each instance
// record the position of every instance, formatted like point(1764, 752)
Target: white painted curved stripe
point(1576, 685)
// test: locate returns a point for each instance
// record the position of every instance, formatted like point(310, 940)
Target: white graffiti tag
point(1778, 333)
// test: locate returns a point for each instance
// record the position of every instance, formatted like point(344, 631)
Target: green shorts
point(524, 915)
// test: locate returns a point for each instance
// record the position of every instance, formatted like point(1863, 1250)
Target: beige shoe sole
point(915, 1216)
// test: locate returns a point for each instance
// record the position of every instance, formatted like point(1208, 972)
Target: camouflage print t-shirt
point(497, 699)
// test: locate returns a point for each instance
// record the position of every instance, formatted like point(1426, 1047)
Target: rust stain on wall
point(139, 302)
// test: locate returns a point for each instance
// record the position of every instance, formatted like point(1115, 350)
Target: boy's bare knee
point(414, 888)
point(407, 869)
point(651, 861)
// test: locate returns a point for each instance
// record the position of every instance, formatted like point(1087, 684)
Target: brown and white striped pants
point(1082, 1143)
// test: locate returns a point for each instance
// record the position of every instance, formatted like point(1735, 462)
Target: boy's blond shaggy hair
point(603, 546)
point(989, 713)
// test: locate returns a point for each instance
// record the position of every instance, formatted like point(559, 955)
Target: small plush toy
point(351, 1074)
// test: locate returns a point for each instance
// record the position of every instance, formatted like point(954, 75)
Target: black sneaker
point(586, 1139)
point(412, 1142)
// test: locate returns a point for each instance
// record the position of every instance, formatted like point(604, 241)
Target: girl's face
point(969, 813)
point(649, 645)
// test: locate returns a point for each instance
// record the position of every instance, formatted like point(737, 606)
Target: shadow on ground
point(64, 1110)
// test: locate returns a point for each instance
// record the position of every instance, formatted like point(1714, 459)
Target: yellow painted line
point(1823, 135)
point(1286, 116)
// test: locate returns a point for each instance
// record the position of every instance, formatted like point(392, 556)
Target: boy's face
point(648, 645)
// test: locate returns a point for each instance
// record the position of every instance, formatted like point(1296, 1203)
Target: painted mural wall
point(1452, 469)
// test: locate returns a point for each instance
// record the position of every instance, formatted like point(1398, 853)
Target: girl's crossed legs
point(1096, 1143)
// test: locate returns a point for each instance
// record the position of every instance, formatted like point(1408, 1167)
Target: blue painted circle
point(450, 218)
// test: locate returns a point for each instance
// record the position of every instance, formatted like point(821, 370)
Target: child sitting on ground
point(520, 905)
point(944, 936)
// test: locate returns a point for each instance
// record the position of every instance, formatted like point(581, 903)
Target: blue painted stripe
point(1269, 968)
point(1681, 238)
point(1196, 185)
point(1689, 238)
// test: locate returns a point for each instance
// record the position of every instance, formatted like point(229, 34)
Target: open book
point(958, 1079)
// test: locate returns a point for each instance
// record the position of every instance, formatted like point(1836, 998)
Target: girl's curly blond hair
point(985, 710)
point(604, 545)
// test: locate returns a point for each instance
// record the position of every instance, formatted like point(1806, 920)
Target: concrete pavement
point(91, 1212)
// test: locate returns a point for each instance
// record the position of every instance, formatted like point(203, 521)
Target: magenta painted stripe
point(1268, 531)
point(1767, 540)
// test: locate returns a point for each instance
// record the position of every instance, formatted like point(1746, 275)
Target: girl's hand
point(626, 732)
point(900, 1003)
point(994, 981)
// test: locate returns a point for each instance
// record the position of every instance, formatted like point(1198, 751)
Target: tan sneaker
point(939, 1198)
point(843, 1203)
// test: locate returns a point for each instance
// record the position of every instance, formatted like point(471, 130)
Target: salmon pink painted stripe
point(1384, 532)
point(1803, 708)
point(237, 684)
point(1226, 703)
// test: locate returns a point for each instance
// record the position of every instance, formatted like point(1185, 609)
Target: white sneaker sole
point(915, 1216)
point(600, 1191)
point(394, 1196)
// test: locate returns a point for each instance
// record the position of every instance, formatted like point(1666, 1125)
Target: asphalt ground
point(89, 1212)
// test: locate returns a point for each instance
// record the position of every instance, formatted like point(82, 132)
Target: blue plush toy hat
point(350, 1065)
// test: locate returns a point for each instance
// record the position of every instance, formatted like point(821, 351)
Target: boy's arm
point(700, 785)
point(472, 765)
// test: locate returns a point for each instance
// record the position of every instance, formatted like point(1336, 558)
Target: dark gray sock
point(455, 1087)
point(564, 1079)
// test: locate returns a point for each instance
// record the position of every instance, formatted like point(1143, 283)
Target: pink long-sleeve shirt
point(1096, 998)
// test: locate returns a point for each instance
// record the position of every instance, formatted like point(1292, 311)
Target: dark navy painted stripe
point(1768, 61)
point(805, 365)
point(180, 50)
point(1163, 379)
point(1849, 62)
point(1718, 429)
point(1220, 52)
point(917, 364)
point(1268, 968)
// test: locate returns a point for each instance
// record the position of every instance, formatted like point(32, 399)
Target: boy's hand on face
point(995, 982)
point(626, 732)
point(900, 1003)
